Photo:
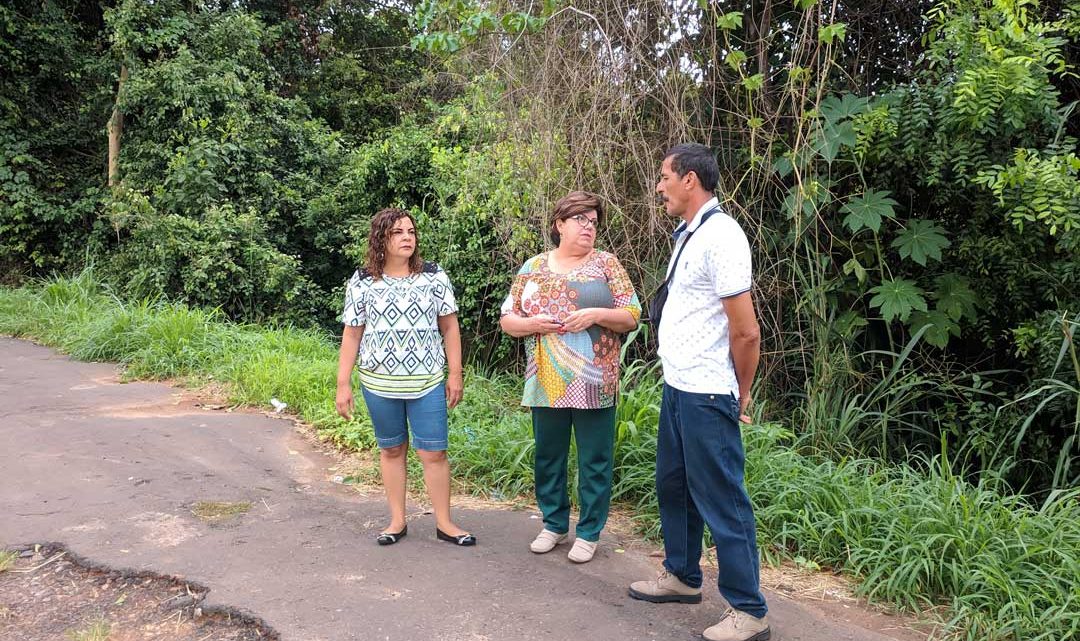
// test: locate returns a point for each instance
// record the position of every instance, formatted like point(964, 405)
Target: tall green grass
point(987, 563)
point(155, 339)
point(994, 565)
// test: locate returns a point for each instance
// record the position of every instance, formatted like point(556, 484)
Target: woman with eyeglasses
point(572, 304)
point(401, 318)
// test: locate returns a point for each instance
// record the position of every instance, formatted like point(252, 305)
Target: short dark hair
point(572, 204)
point(692, 157)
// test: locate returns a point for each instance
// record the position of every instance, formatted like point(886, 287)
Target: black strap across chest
point(675, 265)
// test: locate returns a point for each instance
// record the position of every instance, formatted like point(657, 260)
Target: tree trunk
point(763, 30)
point(115, 128)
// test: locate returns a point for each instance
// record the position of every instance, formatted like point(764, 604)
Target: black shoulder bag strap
point(659, 297)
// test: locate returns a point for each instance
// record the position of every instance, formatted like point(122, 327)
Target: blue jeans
point(699, 482)
point(392, 418)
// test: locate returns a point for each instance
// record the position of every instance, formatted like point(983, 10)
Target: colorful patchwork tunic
point(580, 369)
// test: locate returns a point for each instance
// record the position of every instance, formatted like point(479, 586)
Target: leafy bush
point(943, 208)
point(53, 105)
point(223, 260)
point(221, 173)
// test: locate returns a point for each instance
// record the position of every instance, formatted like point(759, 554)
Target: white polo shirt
point(695, 346)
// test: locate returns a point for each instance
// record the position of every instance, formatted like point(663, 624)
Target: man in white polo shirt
point(709, 346)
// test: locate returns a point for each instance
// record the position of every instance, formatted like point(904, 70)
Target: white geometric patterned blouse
point(401, 352)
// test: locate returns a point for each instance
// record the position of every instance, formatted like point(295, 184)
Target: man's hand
point(745, 345)
point(744, 406)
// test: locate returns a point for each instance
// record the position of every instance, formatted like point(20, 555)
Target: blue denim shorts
point(392, 418)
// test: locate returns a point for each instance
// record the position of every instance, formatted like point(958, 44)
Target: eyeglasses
point(585, 221)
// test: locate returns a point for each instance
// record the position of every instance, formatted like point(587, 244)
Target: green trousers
point(594, 433)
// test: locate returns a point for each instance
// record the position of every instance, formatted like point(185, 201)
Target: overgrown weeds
point(98, 630)
point(7, 560)
point(999, 566)
point(216, 511)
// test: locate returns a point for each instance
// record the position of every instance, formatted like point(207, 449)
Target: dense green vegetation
point(907, 171)
point(904, 174)
point(999, 566)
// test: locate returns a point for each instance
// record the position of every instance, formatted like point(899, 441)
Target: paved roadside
point(113, 470)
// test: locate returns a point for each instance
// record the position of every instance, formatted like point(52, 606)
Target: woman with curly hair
point(400, 317)
point(572, 305)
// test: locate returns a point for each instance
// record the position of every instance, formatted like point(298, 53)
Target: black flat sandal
point(464, 540)
point(390, 538)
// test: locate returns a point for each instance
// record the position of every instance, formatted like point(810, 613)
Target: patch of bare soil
point(182, 403)
point(48, 595)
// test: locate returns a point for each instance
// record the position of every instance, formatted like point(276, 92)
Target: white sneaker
point(546, 541)
point(583, 551)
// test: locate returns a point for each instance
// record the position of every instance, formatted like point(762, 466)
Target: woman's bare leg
point(392, 466)
point(437, 480)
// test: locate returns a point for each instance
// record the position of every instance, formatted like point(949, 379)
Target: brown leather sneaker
point(666, 588)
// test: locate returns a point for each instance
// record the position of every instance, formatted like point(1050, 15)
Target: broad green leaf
point(484, 21)
point(955, 297)
point(921, 240)
point(867, 210)
point(833, 138)
point(827, 140)
point(811, 197)
point(832, 33)
point(849, 323)
point(515, 22)
point(844, 133)
point(783, 166)
point(898, 298)
point(729, 21)
point(805, 4)
point(420, 42)
point(798, 74)
point(793, 202)
point(939, 327)
point(853, 266)
point(835, 109)
point(469, 29)
point(754, 82)
point(535, 23)
point(734, 59)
